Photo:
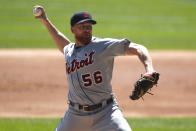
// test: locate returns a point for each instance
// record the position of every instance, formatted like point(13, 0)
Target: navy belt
point(91, 107)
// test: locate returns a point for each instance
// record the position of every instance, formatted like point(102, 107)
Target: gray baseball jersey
point(89, 69)
point(89, 73)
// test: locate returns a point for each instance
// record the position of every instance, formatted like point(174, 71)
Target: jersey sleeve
point(115, 47)
point(64, 49)
point(67, 48)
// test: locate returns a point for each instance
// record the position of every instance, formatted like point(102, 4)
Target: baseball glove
point(145, 83)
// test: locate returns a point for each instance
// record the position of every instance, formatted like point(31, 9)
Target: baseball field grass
point(157, 24)
point(137, 124)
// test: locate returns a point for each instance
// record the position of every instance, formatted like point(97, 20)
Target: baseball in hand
point(37, 11)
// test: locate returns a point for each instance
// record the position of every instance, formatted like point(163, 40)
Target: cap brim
point(87, 20)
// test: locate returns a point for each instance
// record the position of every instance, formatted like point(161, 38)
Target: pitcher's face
point(82, 32)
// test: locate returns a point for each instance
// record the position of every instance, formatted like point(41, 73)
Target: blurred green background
point(157, 24)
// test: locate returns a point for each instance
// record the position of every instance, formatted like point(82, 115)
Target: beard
point(84, 38)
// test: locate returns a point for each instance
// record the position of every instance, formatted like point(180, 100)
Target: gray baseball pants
point(110, 118)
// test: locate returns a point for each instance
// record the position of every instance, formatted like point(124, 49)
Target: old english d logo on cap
point(85, 15)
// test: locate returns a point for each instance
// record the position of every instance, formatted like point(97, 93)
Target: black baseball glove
point(146, 82)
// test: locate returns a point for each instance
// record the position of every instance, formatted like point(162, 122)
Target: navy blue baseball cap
point(80, 17)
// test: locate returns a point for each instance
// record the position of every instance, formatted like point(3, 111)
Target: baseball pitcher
point(89, 65)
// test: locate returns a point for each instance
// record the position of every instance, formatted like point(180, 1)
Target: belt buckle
point(86, 108)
